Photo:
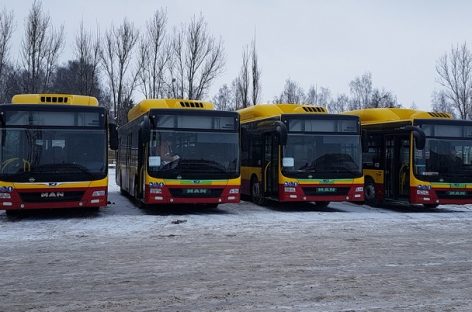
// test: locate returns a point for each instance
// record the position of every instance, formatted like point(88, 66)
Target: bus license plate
point(456, 193)
point(326, 190)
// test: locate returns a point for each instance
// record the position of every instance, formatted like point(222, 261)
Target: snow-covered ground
point(237, 258)
point(122, 217)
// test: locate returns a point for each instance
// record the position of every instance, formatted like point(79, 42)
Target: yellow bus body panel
point(55, 99)
point(372, 116)
point(262, 111)
point(376, 174)
point(41, 185)
point(146, 105)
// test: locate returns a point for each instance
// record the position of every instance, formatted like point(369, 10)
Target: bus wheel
point(256, 194)
point(369, 192)
point(430, 206)
point(321, 204)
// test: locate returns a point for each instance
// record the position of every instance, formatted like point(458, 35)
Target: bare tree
point(243, 81)
point(224, 99)
point(117, 60)
point(87, 53)
point(442, 104)
point(382, 98)
point(315, 96)
point(338, 104)
point(6, 31)
point(292, 93)
point(361, 91)
point(454, 70)
point(256, 74)
point(41, 47)
point(197, 59)
point(155, 56)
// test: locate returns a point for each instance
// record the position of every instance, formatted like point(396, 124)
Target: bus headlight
point(5, 195)
point(422, 192)
point(155, 191)
point(423, 187)
point(98, 193)
point(234, 191)
point(289, 189)
point(360, 189)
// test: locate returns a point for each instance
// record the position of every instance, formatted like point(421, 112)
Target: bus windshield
point(444, 160)
point(52, 155)
point(180, 154)
point(322, 156)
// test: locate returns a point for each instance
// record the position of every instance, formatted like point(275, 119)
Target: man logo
point(52, 195)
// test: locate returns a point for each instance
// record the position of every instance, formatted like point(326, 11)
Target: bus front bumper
point(440, 196)
point(321, 193)
point(192, 195)
point(53, 198)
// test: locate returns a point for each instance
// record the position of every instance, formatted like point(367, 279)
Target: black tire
point(93, 209)
point(256, 193)
point(321, 204)
point(370, 193)
point(211, 206)
point(430, 206)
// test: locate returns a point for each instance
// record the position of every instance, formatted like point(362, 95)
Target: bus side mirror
point(281, 131)
point(145, 129)
point(113, 136)
point(419, 135)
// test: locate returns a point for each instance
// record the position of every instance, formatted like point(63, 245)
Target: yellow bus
point(416, 157)
point(176, 151)
point(53, 152)
point(300, 153)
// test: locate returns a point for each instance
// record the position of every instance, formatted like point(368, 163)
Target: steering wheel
point(16, 161)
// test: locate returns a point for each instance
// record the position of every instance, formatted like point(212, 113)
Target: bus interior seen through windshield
point(52, 146)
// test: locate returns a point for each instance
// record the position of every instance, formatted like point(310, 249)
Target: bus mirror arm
point(113, 136)
point(145, 129)
point(2, 124)
point(364, 142)
point(419, 135)
point(244, 139)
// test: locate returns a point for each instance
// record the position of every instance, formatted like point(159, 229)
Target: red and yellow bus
point(176, 151)
point(300, 153)
point(53, 152)
point(416, 157)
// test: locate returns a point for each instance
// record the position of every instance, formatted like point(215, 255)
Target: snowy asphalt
point(243, 257)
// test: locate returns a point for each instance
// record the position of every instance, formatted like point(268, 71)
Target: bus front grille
point(52, 196)
point(196, 192)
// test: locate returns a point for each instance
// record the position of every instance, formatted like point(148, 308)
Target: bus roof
point(146, 105)
point(55, 99)
point(262, 111)
point(370, 116)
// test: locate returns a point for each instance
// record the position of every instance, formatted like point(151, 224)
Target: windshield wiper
point(199, 163)
point(56, 167)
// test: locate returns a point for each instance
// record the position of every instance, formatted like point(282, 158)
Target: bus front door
point(271, 166)
point(397, 164)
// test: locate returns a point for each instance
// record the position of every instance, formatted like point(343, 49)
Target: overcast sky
point(324, 43)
